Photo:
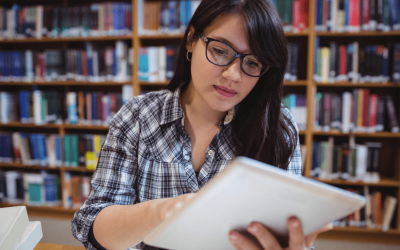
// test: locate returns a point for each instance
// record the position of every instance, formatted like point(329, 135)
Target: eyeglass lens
point(221, 54)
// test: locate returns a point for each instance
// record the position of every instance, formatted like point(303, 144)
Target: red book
point(357, 6)
point(296, 15)
point(343, 60)
point(89, 107)
point(42, 63)
point(365, 109)
point(325, 16)
point(378, 202)
point(113, 104)
point(352, 8)
point(99, 106)
point(373, 102)
point(365, 15)
point(305, 5)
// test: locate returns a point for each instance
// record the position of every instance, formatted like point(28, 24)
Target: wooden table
point(49, 246)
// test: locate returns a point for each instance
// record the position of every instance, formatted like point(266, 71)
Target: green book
point(74, 151)
point(67, 150)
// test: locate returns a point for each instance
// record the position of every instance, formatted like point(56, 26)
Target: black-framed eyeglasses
point(222, 54)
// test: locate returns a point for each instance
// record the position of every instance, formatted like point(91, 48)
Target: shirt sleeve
point(295, 166)
point(113, 181)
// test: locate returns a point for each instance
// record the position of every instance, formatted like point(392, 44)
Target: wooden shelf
point(162, 84)
point(67, 39)
point(361, 33)
point(64, 126)
point(47, 211)
point(358, 85)
point(62, 168)
point(295, 83)
point(66, 83)
point(365, 230)
point(377, 135)
point(383, 183)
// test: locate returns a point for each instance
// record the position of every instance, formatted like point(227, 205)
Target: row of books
point(357, 111)
point(297, 104)
point(165, 17)
point(52, 150)
point(94, 65)
point(157, 64)
point(43, 107)
point(378, 213)
point(352, 63)
point(349, 161)
point(291, 69)
point(104, 19)
point(357, 15)
point(43, 189)
point(294, 14)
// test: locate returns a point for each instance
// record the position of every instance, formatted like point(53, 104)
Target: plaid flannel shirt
point(147, 155)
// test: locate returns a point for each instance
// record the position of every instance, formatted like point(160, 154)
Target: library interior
point(67, 67)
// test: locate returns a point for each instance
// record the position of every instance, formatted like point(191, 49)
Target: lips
point(225, 91)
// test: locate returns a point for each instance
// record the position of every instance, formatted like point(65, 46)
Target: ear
point(190, 39)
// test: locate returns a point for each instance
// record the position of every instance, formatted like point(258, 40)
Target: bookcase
point(304, 85)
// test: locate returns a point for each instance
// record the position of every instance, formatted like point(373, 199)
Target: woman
point(224, 100)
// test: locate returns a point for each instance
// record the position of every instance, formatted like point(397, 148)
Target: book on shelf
point(165, 17)
point(291, 69)
point(76, 190)
point(88, 20)
point(157, 64)
point(352, 63)
point(294, 14)
point(90, 64)
point(30, 188)
point(356, 111)
point(348, 161)
point(52, 107)
point(297, 104)
point(357, 15)
point(378, 213)
point(51, 150)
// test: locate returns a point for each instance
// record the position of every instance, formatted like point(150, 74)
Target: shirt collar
point(172, 110)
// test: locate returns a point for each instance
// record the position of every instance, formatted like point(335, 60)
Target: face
point(221, 87)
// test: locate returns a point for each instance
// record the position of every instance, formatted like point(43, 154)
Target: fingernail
point(233, 237)
point(295, 224)
point(253, 228)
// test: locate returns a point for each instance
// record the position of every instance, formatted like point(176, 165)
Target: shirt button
point(210, 152)
point(187, 157)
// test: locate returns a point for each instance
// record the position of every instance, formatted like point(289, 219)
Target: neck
point(196, 110)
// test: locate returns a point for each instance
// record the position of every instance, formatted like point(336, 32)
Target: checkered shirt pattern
point(147, 155)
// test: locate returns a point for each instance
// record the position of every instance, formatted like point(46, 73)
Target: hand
point(266, 241)
point(170, 205)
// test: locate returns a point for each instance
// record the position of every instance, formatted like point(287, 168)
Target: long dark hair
point(260, 130)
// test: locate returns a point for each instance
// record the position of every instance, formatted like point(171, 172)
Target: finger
point(296, 235)
point(311, 237)
point(264, 237)
point(240, 241)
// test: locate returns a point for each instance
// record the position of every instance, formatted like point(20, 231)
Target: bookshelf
point(305, 85)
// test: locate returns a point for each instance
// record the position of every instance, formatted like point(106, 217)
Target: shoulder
point(146, 106)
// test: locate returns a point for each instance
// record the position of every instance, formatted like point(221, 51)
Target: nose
point(233, 71)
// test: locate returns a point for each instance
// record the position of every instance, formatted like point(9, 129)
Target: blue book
point(188, 11)
point(385, 65)
point(78, 67)
point(183, 13)
point(22, 110)
point(2, 148)
point(41, 142)
point(33, 148)
point(2, 59)
point(114, 63)
point(57, 145)
point(89, 58)
point(346, 15)
point(329, 20)
point(8, 63)
point(94, 107)
point(16, 64)
point(172, 9)
point(115, 16)
point(50, 190)
point(394, 13)
point(317, 14)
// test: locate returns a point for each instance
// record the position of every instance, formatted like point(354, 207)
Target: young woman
point(224, 100)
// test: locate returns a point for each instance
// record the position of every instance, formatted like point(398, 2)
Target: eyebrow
point(228, 42)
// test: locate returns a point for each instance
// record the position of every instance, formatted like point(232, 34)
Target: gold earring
point(187, 55)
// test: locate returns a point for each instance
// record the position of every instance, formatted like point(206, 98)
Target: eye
point(219, 51)
point(251, 63)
